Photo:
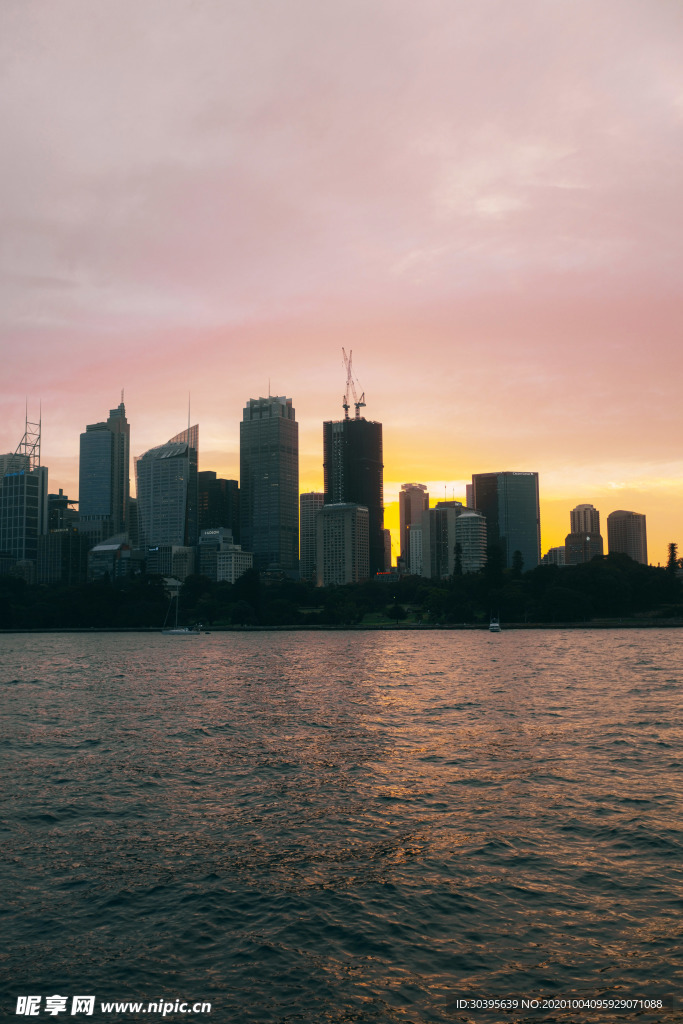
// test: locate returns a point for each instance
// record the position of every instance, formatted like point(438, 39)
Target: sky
point(483, 201)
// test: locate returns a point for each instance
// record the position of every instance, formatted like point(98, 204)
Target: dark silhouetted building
point(62, 556)
point(310, 503)
point(510, 503)
point(582, 547)
point(269, 483)
point(23, 502)
point(584, 542)
point(218, 503)
point(62, 511)
point(354, 474)
point(104, 477)
point(626, 533)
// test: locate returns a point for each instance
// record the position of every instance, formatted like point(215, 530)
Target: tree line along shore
point(602, 591)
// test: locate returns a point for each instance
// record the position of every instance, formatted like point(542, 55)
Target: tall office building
point(626, 533)
point(414, 565)
point(470, 535)
point(413, 499)
point(584, 542)
point(584, 519)
point(353, 467)
point(342, 544)
point(167, 492)
point(218, 503)
point(509, 502)
point(23, 501)
point(269, 483)
point(310, 503)
point(104, 477)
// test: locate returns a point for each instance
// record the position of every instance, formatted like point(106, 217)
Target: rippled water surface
point(343, 826)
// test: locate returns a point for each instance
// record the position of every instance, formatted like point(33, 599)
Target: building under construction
point(354, 469)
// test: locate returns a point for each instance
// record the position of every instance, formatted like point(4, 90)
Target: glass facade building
point(269, 483)
point(104, 476)
point(509, 502)
point(167, 492)
point(23, 509)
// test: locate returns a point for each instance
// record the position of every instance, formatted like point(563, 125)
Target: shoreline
point(370, 627)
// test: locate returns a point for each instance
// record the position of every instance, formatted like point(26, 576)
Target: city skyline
point(457, 192)
point(392, 509)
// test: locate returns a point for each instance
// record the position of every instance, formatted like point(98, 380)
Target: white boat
point(178, 630)
point(494, 625)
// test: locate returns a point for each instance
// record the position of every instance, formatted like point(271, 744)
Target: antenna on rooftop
point(29, 446)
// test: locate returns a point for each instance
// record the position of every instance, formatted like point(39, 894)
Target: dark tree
point(517, 564)
point(495, 562)
point(672, 563)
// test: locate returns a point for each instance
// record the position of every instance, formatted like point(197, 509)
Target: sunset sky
point(482, 199)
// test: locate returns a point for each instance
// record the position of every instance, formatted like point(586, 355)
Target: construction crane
point(350, 386)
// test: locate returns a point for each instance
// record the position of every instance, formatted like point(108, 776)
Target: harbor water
point(344, 826)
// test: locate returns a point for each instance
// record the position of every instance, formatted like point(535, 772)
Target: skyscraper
point(470, 535)
point(584, 519)
point(23, 500)
point(353, 467)
point(269, 483)
point(413, 499)
point(584, 541)
point(626, 533)
point(167, 492)
point(310, 503)
point(104, 477)
point(509, 501)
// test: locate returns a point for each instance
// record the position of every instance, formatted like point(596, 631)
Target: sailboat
point(178, 630)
